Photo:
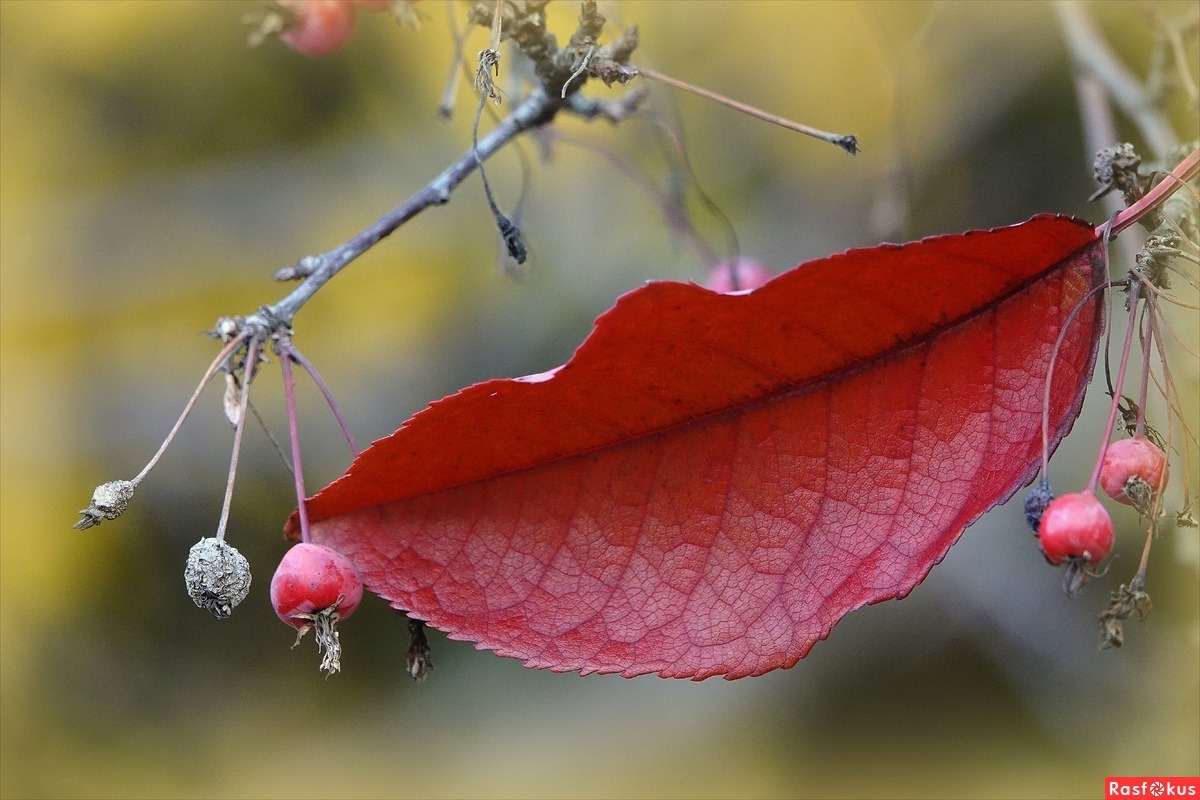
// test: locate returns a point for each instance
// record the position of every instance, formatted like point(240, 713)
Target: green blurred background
point(156, 171)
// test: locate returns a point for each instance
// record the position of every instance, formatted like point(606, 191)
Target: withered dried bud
point(1121, 606)
point(1116, 167)
point(232, 400)
point(217, 576)
point(109, 501)
point(225, 329)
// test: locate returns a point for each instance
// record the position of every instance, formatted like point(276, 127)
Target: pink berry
point(1076, 528)
point(1133, 471)
point(315, 588)
point(321, 27)
point(312, 579)
point(750, 275)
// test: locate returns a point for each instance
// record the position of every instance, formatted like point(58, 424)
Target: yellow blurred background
point(156, 171)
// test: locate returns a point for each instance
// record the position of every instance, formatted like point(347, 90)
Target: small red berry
point(312, 578)
point(1132, 471)
point(316, 587)
point(749, 273)
point(321, 27)
point(1075, 527)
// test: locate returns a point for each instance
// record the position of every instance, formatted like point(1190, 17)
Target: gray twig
point(536, 109)
point(1092, 54)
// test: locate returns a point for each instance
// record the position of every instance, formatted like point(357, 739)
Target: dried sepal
point(324, 622)
point(109, 501)
point(217, 576)
point(231, 401)
point(418, 661)
point(1124, 602)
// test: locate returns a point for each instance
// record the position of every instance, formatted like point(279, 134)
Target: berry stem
point(289, 393)
point(232, 345)
point(674, 215)
point(847, 143)
point(333, 406)
point(1154, 290)
point(248, 378)
point(1134, 296)
point(1062, 334)
point(674, 136)
point(1146, 334)
point(1169, 392)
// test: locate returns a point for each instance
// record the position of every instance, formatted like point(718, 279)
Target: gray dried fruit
point(217, 576)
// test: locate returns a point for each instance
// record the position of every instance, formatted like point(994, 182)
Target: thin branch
point(536, 109)
point(1091, 53)
point(450, 94)
point(1100, 131)
point(1187, 169)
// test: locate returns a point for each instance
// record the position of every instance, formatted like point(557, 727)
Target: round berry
point(749, 273)
point(321, 27)
point(1076, 528)
point(1133, 471)
point(312, 579)
point(217, 576)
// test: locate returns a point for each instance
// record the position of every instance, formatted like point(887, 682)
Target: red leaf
point(713, 481)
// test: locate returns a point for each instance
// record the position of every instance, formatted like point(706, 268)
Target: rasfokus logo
point(1151, 786)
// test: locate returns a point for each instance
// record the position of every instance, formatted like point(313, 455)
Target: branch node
point(300, 270)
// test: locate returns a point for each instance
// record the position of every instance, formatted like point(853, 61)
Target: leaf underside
point(714, 480)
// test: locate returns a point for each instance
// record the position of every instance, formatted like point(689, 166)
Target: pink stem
point(1134, 291)
point(248, 376)
point(333, 406)
point(289, 393)
point(1148, 310)
point(233, 344)
point(1050, 372)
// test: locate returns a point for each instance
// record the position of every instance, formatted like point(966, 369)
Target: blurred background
point(156, 171)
